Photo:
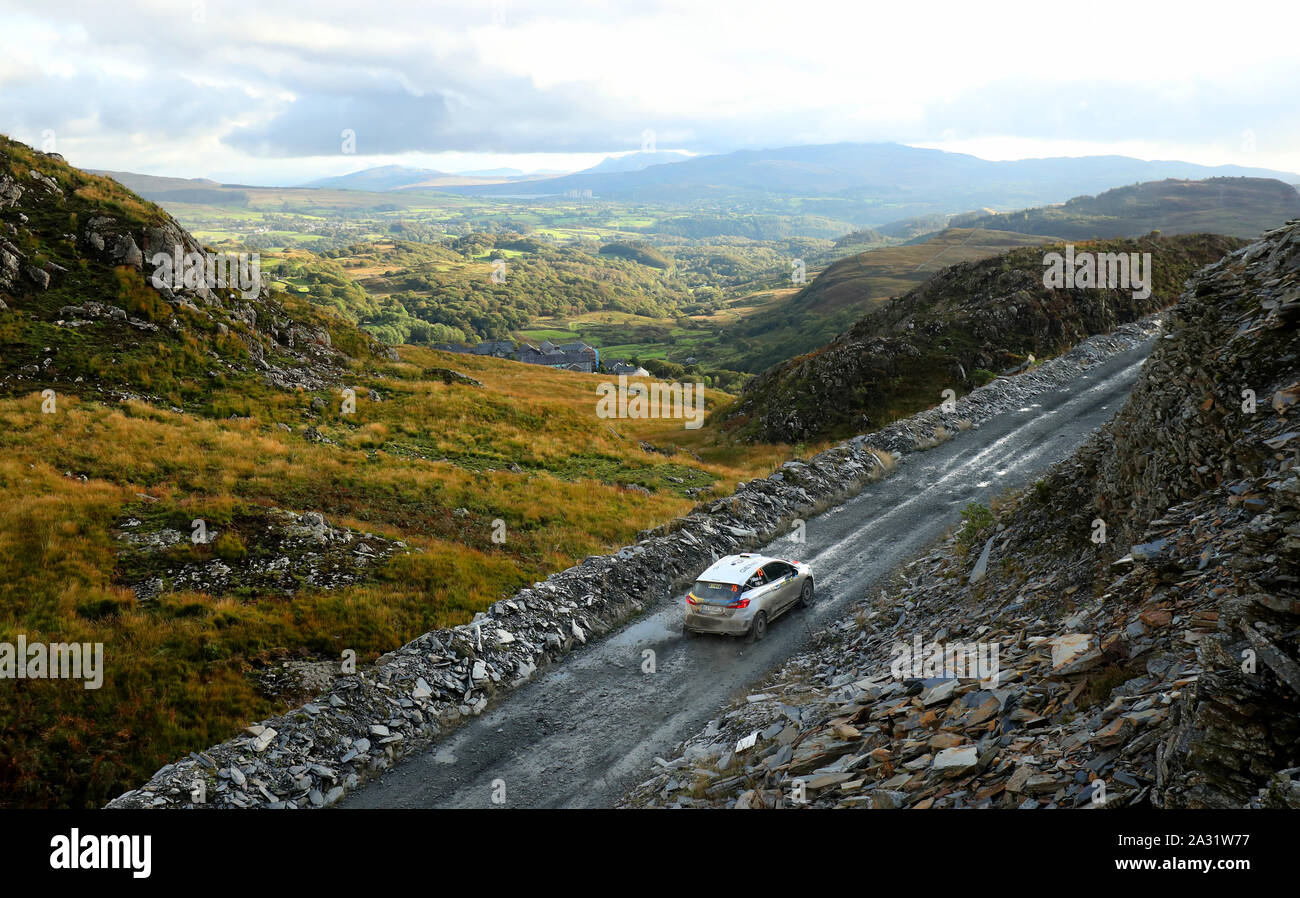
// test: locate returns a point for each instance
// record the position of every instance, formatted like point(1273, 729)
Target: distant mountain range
point(504, 173)
point(635, 162)
point(400, 177)
point(873, 184)
point(178, 190)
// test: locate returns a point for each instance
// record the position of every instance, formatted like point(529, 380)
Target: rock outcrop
point(966, 324)
point(99, 280)
point(274, 551)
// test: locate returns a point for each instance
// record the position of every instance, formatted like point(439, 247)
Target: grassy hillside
point(1241, 207)
point(243, 426)
point(182, 667)
point(798, 322)
point(956, 331)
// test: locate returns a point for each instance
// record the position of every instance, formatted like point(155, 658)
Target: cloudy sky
point(262, 92)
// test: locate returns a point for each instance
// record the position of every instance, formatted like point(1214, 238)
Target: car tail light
point(690, 599)
point(739, 603)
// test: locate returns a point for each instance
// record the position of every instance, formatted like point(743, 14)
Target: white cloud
point(259, 88)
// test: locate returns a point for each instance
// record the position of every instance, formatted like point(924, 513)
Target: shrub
point(975, 518)
point(228, 546)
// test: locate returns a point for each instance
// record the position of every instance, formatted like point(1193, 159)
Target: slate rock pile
point(1215, 428)
point(1079, 698)
point(279, 551)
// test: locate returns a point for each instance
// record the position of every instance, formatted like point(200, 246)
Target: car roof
point(735, 569)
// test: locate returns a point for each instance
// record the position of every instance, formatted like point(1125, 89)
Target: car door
point(781, 577)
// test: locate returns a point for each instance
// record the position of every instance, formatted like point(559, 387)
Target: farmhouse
point(628, 370)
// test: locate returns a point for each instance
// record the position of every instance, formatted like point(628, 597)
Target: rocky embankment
point(366, 720)
point(1142, 599)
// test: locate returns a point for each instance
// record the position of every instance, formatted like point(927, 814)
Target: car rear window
point(715, 591)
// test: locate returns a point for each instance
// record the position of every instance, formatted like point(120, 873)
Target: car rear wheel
point(805, 597)
point(758, 629)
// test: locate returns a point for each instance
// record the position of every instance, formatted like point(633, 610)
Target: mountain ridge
point(880, 182)
point(1240, 207)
